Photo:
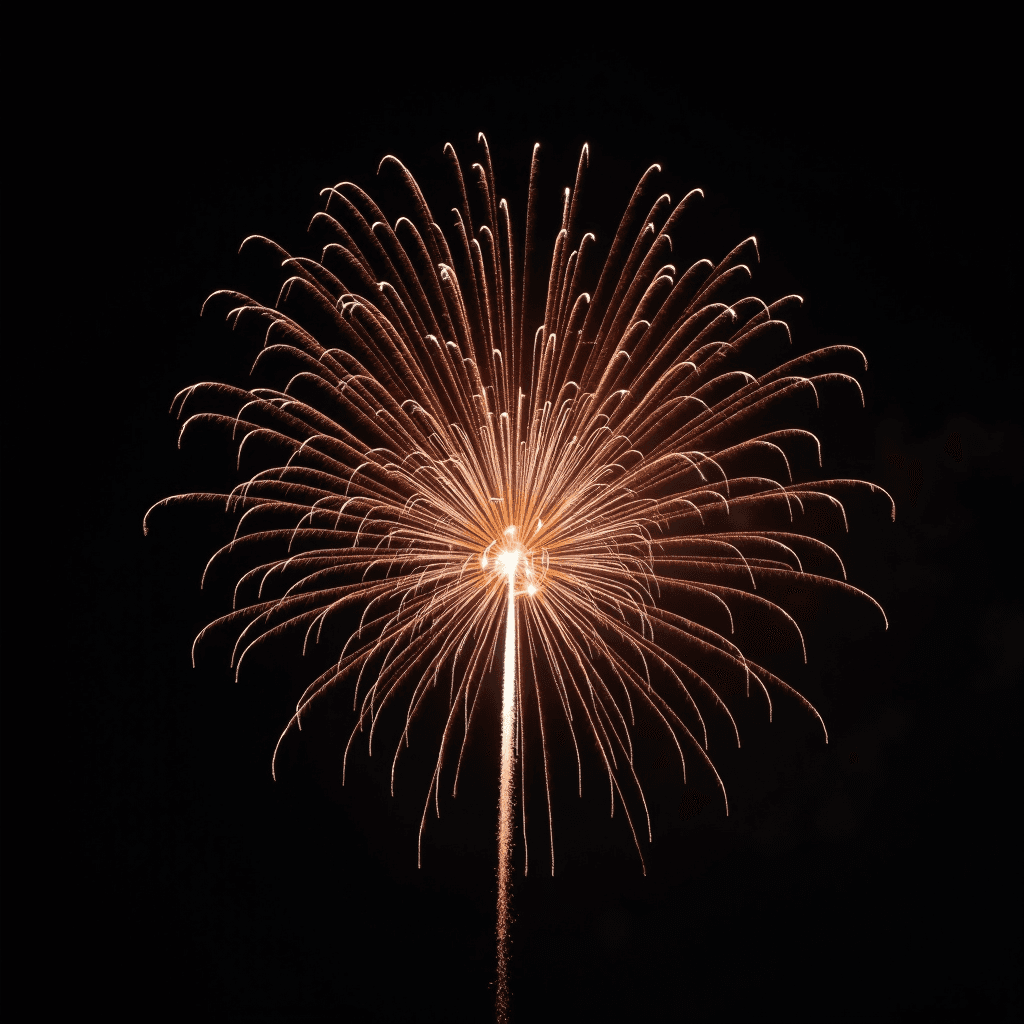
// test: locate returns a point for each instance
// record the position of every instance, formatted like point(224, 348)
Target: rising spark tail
point(508, 716)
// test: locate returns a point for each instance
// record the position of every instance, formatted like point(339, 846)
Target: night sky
point(152, 868)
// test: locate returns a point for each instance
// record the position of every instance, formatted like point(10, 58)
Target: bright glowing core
point(509, 560)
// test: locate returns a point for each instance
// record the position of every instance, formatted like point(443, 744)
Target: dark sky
point(152, 869)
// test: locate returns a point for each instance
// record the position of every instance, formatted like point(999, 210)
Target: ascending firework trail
point(605, 479)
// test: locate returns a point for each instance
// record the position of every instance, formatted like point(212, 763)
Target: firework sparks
point(599, 481)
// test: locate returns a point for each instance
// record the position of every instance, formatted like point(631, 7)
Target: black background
point(152, 869)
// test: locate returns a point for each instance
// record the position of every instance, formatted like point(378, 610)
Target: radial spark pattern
point(592, 497)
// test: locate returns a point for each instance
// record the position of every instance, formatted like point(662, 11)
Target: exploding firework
point(590, 499)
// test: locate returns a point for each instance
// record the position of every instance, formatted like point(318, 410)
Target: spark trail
point(505, 823)
point(447, 431)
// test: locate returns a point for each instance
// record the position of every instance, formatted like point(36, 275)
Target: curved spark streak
point(422, 420)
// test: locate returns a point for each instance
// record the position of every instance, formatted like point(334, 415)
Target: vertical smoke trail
point(508, 709)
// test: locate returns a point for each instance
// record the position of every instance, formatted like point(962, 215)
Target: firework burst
point(585, 501)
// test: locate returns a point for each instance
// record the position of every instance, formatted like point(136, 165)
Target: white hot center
point(508, 560)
